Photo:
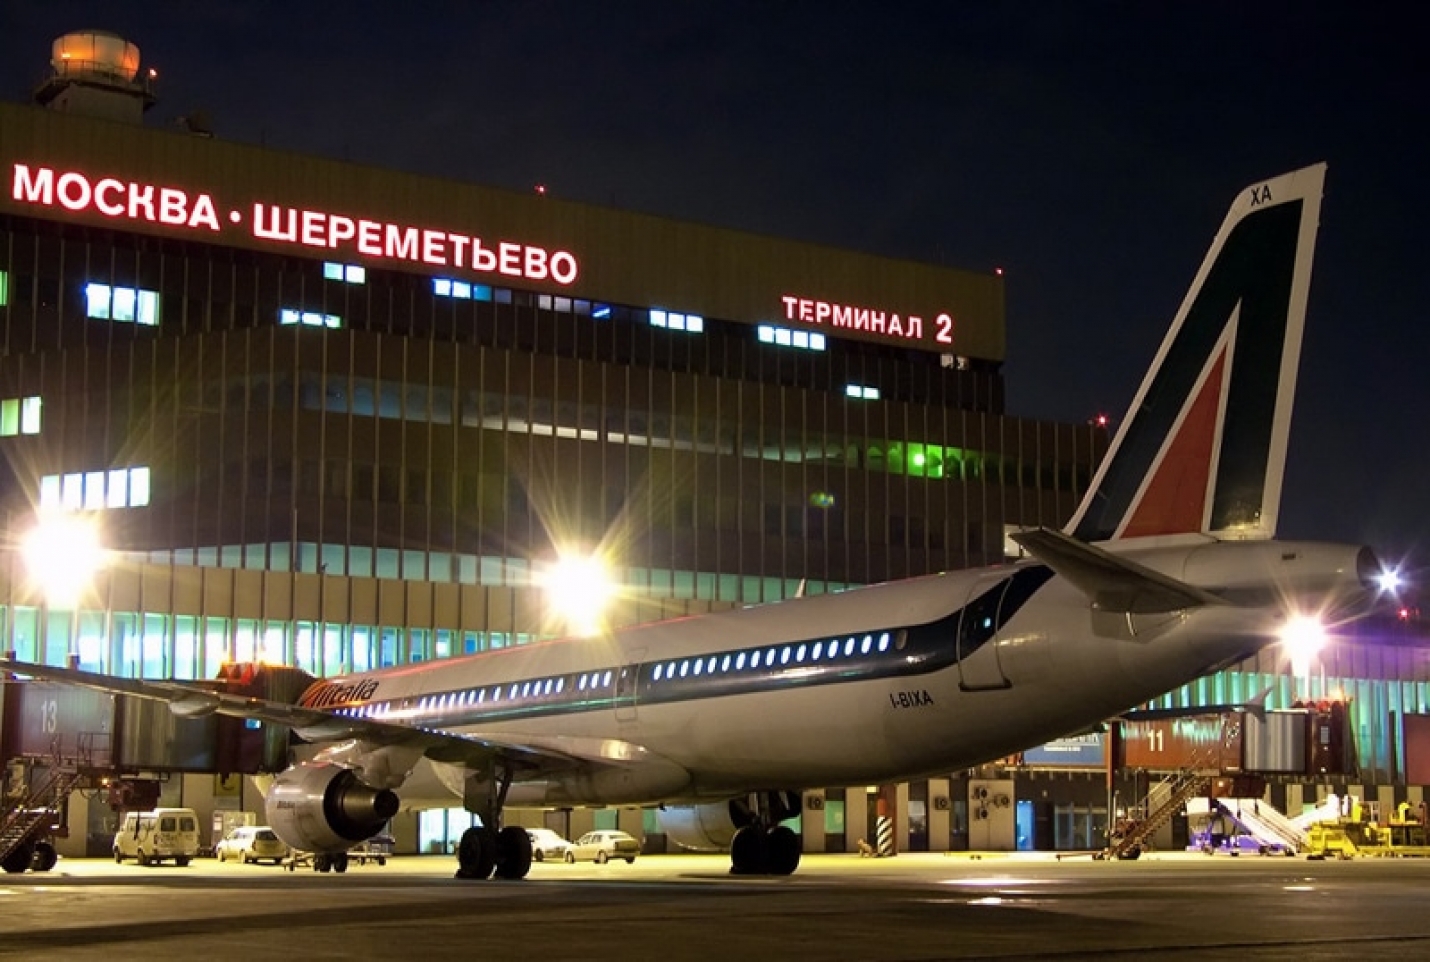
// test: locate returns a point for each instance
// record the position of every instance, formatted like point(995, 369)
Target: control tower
point(96, 73)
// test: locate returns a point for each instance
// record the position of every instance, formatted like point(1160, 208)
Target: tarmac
point(836, 907)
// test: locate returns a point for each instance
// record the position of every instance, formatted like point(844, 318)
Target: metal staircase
point(33, 819)
point(1127, 841)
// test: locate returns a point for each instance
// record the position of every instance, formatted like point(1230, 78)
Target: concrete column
point(856, 818)
point(940, 814)
point(812, 821)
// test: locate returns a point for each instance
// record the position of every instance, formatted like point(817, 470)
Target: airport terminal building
point(338, 417)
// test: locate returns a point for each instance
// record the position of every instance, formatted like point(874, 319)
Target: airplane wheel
point(340, 862)
point(476, 854)
point(783, 850)
point(45, 857)
point(513, 852)
point(749, 851)
point(321, 862)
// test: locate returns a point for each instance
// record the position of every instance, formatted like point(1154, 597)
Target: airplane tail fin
point(1203, 448)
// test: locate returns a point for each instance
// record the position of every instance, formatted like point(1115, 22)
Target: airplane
point(1168, 570)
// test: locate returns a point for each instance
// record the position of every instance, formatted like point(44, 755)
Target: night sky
point(1088, 149)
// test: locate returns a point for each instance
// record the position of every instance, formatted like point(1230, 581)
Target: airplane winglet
point(1110, 582)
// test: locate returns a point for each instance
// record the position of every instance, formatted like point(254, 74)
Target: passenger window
point(166, 825)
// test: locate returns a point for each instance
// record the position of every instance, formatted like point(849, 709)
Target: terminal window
point(95, 490)
point(289, 317)
point(19, 415)
point(462, 290)
point(122, 304)
point(347, 273)
point(675, 321)
point(784, 337)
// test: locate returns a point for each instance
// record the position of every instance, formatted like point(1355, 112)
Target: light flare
point(62, 553)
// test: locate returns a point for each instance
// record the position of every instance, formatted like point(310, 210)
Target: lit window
point(4, 289)
point(95, 490)
point(658, 670)
point(50, 491)
point(672, 320)
point(600, 311)
point(447, 287)
point(289, 317)
point(348, 273)
point(30, 415)
point(138, 487)
point(122, 304)
point(861, 392)
point(19, 416)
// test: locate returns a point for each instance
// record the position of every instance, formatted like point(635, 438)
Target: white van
point(154, 836)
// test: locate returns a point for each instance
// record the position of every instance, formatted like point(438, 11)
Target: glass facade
point(446, 433)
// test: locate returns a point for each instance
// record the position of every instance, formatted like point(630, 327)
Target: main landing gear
point(489, 850)
point(485, 853)
point(761, 845)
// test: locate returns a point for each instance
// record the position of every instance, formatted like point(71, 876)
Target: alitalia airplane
point(1168, 570)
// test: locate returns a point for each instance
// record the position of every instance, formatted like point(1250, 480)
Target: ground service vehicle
point(164, 833)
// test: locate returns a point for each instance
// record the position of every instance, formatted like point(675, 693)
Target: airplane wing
point(1112, 583)
point(190, 699)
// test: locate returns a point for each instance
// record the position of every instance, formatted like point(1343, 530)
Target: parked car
point(251, 843)
point(546, 844)
point(603, 845)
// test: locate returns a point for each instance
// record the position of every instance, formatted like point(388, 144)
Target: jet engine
point(326, 808)
point(712, 826)
point(700, 828)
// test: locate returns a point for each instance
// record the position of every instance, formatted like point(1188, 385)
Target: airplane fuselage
point(883, 683)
